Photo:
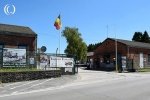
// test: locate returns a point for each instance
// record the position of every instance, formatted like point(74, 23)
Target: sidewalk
point(103, 75)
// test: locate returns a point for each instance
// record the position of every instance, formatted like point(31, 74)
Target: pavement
point(84, 77)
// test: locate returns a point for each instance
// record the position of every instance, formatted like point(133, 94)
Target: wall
point(108, 47)
point(28, 75)
point(12, 40)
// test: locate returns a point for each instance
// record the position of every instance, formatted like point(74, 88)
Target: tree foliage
point(75, 46)
point(92, 47)
point(137, 36)
point(145, 37)
point(141, 37)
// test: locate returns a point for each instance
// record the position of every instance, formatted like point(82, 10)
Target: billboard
point(14, 57)
point(61, 62)
point(47, 61)
point(43, 61)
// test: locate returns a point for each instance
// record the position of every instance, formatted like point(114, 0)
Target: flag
point(57, 23)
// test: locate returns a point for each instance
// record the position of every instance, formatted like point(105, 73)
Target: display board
point(14, 57)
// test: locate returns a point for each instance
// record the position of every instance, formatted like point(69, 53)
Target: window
point(149, 58)
point(22, 46)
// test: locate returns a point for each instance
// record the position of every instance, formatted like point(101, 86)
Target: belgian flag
point(57, 23)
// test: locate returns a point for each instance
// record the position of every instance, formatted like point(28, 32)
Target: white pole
point(59, 40)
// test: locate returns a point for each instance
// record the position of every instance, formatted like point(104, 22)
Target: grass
point(144, 70)
point(18, 69)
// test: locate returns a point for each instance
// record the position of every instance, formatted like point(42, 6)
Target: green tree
point(92, 47)
point(97, 45)
point(75, 46)
point(145, 37)
point(137, 36)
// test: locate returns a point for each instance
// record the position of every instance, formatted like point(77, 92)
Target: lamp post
point(56, 57)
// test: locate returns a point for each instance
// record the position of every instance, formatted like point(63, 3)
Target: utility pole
point(116, 52)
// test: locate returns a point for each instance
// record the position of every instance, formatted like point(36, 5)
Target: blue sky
point(123, 17)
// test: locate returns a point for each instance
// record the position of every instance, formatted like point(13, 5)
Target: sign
point(32, 61)
point(14, 57)
point(53, 61)
point(61, 62)
point(123, 61)
point(43, 48)
point(44, 59)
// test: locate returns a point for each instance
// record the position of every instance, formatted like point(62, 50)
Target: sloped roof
point(133, 43)
point(14, 29)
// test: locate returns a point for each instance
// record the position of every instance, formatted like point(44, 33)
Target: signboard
point(44, 60)
point(123, 61)
point(53, 61)
point(61, 62)
point(32, 61)
point(14, 57)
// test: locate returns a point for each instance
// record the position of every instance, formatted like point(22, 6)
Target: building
point(130, 54)
point(17, 43)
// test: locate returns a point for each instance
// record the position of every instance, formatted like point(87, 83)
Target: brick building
point(15, 38)
point(130, 54)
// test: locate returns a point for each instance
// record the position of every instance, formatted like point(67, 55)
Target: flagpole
point(57, 24)
point(59, 40)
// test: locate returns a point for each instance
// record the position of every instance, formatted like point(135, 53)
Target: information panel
point(14, 57)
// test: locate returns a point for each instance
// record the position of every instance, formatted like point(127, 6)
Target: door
point(141, 60)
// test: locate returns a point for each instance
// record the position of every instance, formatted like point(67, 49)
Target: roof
point(133, 43)
point(14, 29)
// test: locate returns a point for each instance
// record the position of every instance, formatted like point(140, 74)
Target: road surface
point(91, 85)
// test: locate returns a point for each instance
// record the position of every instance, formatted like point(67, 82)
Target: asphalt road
point(90, 86)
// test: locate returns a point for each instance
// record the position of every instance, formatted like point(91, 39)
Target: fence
point(16, 61)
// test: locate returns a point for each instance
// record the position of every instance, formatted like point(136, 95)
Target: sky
point(91, 17)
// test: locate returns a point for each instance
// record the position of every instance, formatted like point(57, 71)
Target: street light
point(56, 57)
